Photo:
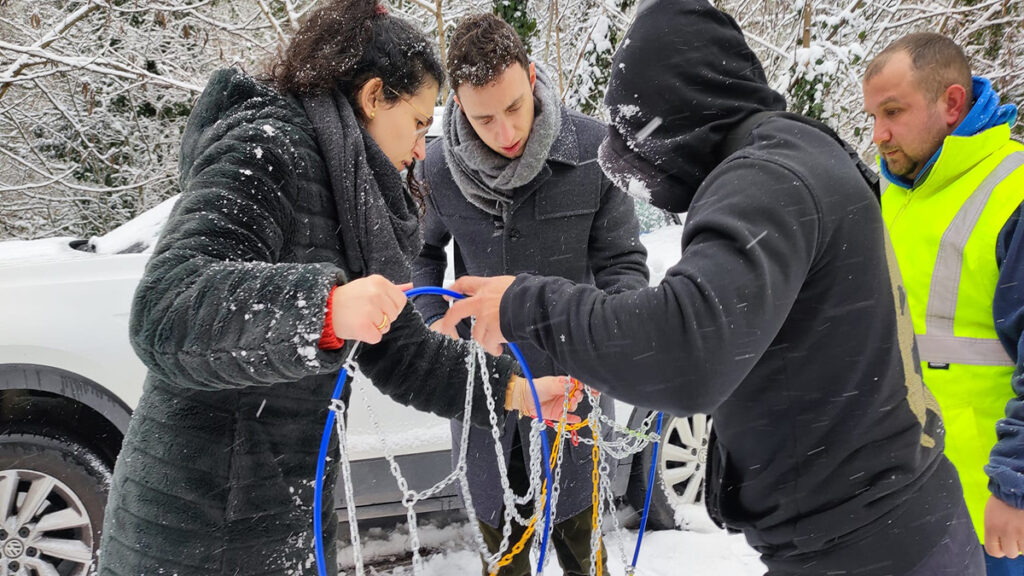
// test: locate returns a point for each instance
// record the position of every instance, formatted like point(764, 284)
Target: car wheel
point(52, 495)
point(679, 479)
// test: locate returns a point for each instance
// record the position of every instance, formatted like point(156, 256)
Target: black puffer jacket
point(215, 476)
point(782, 319)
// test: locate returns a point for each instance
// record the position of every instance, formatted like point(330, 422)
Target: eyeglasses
point(420, 132)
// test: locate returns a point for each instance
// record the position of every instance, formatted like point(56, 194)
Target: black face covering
point(682, 79)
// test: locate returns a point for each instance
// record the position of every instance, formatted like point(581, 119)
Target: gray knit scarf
point(487, 179)
point(379, 229)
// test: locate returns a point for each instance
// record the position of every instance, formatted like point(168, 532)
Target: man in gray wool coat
point(515, 183)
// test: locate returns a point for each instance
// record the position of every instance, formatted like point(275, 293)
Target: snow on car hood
point(13, 252)
point(138, 235)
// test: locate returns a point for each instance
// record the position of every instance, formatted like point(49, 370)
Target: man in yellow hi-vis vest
point(952, 205)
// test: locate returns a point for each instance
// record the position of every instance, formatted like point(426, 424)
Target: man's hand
point(483, 303)
point(551, 391)
point(1004, 529)
point(438, 326)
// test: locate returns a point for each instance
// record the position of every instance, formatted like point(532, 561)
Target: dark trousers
point(958, 554)
point(570, 538)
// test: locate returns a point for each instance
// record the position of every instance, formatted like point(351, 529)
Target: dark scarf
point(379, 229)
point(487, 179)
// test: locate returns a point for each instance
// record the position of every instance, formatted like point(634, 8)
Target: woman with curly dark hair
point(282, 254)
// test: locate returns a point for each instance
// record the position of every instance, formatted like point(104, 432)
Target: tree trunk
point(807, 24)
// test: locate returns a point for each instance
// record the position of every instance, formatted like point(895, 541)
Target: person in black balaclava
point(784, 318)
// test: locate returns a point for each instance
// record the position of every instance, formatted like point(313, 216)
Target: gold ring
point(383, 323)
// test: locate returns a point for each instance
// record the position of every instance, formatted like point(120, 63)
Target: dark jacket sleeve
point(215, 308)
point(617, 258)
point(1006, 461)
point(429, 267)
point(428, 371)
point(686, 344)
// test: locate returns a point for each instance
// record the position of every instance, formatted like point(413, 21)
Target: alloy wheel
point(683, 458)
point(45, 530)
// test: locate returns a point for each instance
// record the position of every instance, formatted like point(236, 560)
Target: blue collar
point(985, 113)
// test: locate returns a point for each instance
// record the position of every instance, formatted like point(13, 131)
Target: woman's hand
point(364, 308)
point(551, 390)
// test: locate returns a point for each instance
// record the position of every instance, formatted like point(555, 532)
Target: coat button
point(513, 233)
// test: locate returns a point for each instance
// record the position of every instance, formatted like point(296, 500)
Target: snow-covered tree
point(94, 97)
point(516, 13)
point(591, 70)
point(94, 94)
point(815, 51)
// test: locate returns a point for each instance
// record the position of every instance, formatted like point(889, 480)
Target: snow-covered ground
point(699, 548)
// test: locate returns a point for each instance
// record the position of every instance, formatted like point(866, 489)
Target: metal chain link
point(507, 495)
point(410, 498)
point(620, 442)
point(338, 407)
point(462, 466)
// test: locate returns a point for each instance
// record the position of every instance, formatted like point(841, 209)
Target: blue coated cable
point(318, 485)
point(546, 449)
point(325, 441)
point(650, 491)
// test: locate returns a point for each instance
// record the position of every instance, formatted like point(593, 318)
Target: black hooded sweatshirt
point(784, 319)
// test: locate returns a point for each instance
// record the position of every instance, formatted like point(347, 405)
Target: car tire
point(54, 490)
point(679, 479)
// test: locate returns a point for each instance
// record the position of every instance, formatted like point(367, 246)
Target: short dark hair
point(344, 44)
point(938, 63)
point(482, 47)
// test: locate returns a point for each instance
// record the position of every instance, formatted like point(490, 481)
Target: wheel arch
point(48, 398)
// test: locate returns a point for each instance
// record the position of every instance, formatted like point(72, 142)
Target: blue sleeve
point(1006, 462)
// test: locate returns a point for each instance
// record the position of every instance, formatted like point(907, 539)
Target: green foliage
point(806, 96)
point(515, 13)
point(649, 217)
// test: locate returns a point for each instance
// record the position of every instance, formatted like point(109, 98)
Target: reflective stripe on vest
point(938, 344)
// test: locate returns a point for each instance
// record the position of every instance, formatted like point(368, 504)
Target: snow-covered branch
point(23, 62)
point(98, 65)
point(94, 94)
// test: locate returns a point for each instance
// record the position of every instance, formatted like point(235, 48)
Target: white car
point(69, 380)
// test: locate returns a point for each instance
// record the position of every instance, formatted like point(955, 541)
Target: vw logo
point(13, 548)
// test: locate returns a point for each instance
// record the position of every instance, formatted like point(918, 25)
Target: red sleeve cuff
point(328, 339)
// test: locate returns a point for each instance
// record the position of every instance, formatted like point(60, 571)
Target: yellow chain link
point(596, 455)
point(562, 428)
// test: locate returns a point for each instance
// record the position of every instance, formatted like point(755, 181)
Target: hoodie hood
point(682, 79)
